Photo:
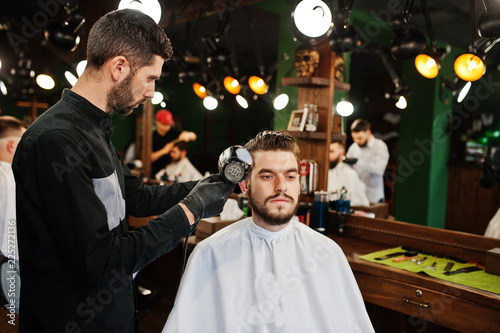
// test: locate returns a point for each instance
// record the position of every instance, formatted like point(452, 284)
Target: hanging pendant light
point(232, 85)
point(428, 64)
point(200, 90)
point(257, 84)
point(469, 67)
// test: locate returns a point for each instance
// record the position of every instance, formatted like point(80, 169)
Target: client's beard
point(272, 218)
point(334, 163)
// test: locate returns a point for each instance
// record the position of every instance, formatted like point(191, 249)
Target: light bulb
point(210, 103)
point(401, 103)
point(242, 101)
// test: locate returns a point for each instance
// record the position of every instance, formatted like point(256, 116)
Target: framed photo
point(297, 120)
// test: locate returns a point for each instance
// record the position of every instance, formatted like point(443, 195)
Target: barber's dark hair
point(360, 125)
point(129, 33)
point(271, 140)
point(10, 126)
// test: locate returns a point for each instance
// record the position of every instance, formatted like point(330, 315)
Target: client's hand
point(208, 197)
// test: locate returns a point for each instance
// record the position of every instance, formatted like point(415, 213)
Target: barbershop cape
point(247, 279)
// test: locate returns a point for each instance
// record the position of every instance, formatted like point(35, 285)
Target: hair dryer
point(234, 164)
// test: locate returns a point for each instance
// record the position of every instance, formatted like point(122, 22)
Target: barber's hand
point(208, 197)
point(350, 161)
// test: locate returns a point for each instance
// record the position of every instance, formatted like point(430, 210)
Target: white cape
point(248, 279)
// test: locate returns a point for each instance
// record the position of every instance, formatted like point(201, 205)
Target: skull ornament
point(306, 61)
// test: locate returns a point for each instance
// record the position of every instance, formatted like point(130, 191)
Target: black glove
point(350, 161)
point(208, 197)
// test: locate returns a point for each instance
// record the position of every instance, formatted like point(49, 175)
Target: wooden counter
point(421, 297)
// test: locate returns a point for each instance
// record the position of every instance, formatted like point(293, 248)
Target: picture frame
point(297, 120)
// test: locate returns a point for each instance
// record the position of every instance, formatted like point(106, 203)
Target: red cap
point(165, 117)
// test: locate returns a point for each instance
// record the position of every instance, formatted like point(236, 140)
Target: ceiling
point(252, 32)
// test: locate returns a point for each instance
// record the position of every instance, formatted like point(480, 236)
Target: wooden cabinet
point(319, 90)
point(421, 298)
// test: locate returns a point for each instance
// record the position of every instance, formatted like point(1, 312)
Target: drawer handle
point(422, 305)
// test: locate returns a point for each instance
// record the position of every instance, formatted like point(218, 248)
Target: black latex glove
point(350, 161)
point(208, 197)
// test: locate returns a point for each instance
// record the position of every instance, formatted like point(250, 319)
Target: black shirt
point(77, 255)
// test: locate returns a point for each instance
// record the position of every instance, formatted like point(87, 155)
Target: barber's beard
point(272, 218)
point(120, 97)
point(363, 144)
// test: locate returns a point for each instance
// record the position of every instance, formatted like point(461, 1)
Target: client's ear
point(244, 187)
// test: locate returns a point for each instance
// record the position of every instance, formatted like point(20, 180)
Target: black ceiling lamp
point(64, 33)
point(399, 92)
point(489, 23)
point(428, 64)
point(344, 37)
point(458, 87)
point(407, 43)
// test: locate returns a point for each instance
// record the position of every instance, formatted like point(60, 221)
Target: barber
point(369, 157)
point(74, 191)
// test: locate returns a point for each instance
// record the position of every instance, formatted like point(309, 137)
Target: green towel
point(477, 279)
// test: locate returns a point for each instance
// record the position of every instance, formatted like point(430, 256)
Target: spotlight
point(157, 98)
point(398, 95)
point(345, 108)
point(463, 92)
point(344, 38)
point(401, 103)
point(200, 90)
point(345, 41)
point(3, 88)
point(459, 88)
point(489, 25)
point(70, 77)
point(312, 20)
point(45, 81)
point(407, 43)
point(242, 101)
point(429, 64)
point(281, 101)
point(151, 8)
point(232, 85)
point(81, 67)
point(64, 34)
point(210, 103)
point(258, 85)
point(469, 67)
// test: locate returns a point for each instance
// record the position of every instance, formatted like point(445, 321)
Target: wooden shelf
point(308, 135)
point(314, 82)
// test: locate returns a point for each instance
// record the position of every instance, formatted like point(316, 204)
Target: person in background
point(74, 191)
point(343, 175)
point(369, 157)
point(269, 272)
point(164, 138)
point(11, 130)
point(180, 169)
